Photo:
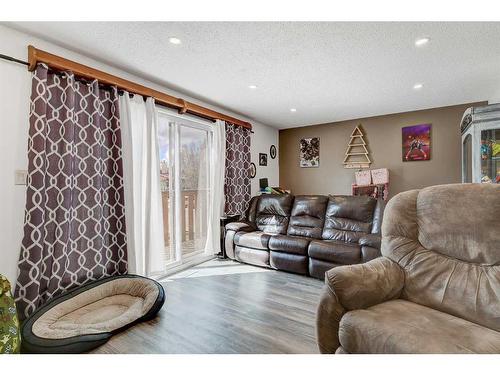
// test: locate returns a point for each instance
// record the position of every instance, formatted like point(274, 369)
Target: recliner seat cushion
point(307, 216)
point(335, 251)
point(401, 326)
point(273, 213)
point(254, 240)
point(289, 244)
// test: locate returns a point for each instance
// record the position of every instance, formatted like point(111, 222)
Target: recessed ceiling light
point(253, 87)
point(422, 41)
point(293, 110)
point(174, 40)
point(418, 86)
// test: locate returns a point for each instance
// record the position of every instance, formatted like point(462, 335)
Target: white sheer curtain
point(141, 165)
point(217, 172)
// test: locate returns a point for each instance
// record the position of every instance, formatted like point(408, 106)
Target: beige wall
point(383, 135)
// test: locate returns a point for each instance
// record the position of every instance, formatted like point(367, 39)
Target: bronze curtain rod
point(13, 59)
point(58, 63)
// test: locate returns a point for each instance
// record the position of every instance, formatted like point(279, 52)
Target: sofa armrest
point(230, 230)
point(351, 288)
point(372, 240)
point(240, 226)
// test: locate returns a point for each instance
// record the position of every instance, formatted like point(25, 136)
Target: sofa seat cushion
point(400, 326)
point(254, 240)
point(289, 244)
point(252, 256)
point(335, 251)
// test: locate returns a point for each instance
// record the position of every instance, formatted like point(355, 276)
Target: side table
point(223, 221)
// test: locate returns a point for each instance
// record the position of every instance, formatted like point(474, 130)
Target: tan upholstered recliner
point(436, 288)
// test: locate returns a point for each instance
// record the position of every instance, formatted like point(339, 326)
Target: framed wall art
point(262, 159)
point(309, 153)
point(416, 142)
point(253, 170)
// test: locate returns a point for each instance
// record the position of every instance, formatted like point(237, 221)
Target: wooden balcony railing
point(193, 218)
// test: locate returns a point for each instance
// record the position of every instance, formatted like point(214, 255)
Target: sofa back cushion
point(378, 215)
point(308, 216)
point(251, 212)
point(273, 213)
point(348, 217)
point(447, 239)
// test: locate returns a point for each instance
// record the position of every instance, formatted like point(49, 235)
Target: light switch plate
point(20, 177)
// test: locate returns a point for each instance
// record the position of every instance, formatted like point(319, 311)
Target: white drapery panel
point(217, 172)
point(143, 202)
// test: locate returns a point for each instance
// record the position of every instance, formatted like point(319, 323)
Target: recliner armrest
point(363, 285)
point(351, 288)
point(240, 226)
point(372, 240)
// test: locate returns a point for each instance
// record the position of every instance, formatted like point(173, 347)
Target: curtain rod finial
point(31, 58)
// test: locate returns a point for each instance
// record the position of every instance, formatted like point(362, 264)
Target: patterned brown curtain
point(74, 229)
point(237, 180)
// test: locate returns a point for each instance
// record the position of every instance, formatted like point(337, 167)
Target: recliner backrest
point(447, 240)
point(348, 217)
point(273, 213)
point(307, 216)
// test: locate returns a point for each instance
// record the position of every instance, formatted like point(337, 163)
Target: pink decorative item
point(380, 176)
point(363, 178)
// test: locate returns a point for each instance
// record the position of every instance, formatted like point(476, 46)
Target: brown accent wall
point(383, 135)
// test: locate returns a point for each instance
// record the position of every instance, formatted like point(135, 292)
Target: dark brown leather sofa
point(307, 234)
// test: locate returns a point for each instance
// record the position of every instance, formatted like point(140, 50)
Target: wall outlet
point(20, 177)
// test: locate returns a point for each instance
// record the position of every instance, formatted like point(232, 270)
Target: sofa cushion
point(288, 244)
point(288, 262)
point(346, 216)
point(317, 267)
point(273, 213)
point(251, 212)
point(252, 256)
point(307, 216)
point(401, 326)
point(254, 240)
point(335, 251)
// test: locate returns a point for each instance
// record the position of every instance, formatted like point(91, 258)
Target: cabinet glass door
point(490, 156)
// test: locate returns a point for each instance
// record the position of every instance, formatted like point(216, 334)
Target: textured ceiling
point(327, 71)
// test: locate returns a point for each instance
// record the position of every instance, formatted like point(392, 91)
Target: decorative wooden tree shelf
point(357, 155)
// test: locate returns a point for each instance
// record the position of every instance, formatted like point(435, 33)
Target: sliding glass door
point(185, 184)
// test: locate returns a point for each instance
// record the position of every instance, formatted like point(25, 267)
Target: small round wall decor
point(272, 152)
point(253, 170)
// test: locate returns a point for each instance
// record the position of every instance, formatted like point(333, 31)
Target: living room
point(261, 187)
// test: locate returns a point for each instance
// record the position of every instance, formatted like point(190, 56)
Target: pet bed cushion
point(86, 317)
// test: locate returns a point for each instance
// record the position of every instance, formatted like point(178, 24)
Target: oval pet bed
point(87, 316)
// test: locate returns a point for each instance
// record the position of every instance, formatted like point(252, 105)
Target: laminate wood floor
point(226, 307)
